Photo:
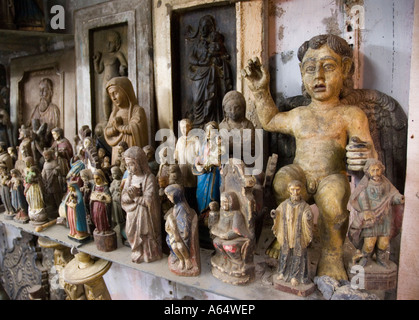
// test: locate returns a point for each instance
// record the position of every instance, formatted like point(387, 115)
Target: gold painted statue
point(325, 132)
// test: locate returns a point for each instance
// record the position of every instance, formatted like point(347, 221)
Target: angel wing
point(388, 127)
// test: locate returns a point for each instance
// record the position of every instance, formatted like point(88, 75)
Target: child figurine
point(182, 234)
point(100, 212)
point(374, 200)
point(18, 198)
point(76, 214)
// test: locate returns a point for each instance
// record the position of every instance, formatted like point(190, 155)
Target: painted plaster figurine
point(182, 234)
point(18, 198)
point(46, 111)
point(34, 193)
point(326, 61)
point(375, 200)
point(210, 73)
point(235, 121)
point(5, 192)
point(293, 229)
point(101, 213)
point(128, 120)
point(207, 169)
point(186, 151)
point(76, 213)
point(139, 199)
point(111, 63)
point(232, 241)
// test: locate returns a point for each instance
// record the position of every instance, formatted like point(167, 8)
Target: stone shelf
point(257, 290)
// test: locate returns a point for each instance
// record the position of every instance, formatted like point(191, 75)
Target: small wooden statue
point(76, 214)
point(140, 200)
point(51, 176)
point(5, 191)
point(378, 214)
point(152, 163)
point(118, 214)
point(293, 228)
point(18, 198)
point(182, 234)
point(101, 213)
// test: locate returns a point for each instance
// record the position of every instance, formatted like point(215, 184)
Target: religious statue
point(76, 214)
point(40, 140)
point(182, 234)
point(293, 229)
point(128, 120)
point(120, 161)
point(19, 203)
point(233, 242)
point(186, 151)
point(209, 72)
point(101, 213)
point(34, 193)
point(118, 214)
point(207, 169)
point(235, 122)
point(111, 63)
point(5, 191)
point(12, 153)
point(5, 156)
point(152, 163)
point(375, 200)
point(322, 131)
point(6, 134)
point(139, 199)
point(63, 149)
point(46, 111)
point(91, 158)
point(51, 177)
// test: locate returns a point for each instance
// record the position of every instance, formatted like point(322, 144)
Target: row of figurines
point(137, 201)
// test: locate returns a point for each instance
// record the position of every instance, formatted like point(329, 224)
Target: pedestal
point(301, 290)
point(373, 276)
point(105, 242)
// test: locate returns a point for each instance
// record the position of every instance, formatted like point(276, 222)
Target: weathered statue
point(5, 156)
point(6, 134)
point(235, 121)
point(373, 226)
point(18, 198)
point(118, 214)
point(51, 177)
point(46, 111)
point(323, 131)
point(101, 213)
point(128, 120)
point(233, 242)
point(209, 71)
point(186, 151)
point(293, 229)
point(5, 191)
point(34, 193)
point(139, 199)
point(63, 149)
point(182, 234)
point(76, 213)
point(152, 163)
point(91, 158)
point(120, 161)
point(112, 64)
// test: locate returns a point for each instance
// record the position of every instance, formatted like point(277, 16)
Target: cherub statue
point(326, 128)
point(373, 225)
point(293, 229)
point(182, 234)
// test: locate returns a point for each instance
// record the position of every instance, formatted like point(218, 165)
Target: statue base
point(80, 240)
point(105, 242)
point(376, 277)
point(240, 276)
point(8, 216)
point(301, 290)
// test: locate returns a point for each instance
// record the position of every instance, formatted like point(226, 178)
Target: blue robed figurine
point(207, 170)
point(76, 213)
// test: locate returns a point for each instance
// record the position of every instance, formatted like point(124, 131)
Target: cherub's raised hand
point(256, 75)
